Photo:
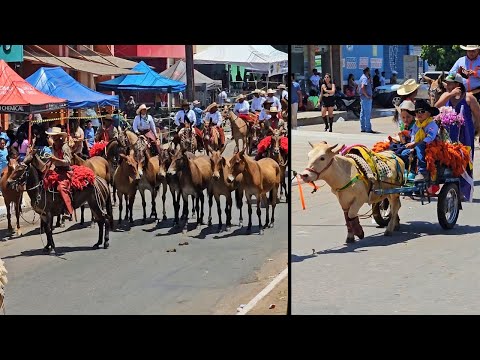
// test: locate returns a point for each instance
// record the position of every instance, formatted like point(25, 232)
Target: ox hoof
point(106, 245)
point(387, 233)
point(96, 246)
point(350, 240)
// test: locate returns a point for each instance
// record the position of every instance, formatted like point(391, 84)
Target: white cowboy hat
point(405, 105)
point(196, 102)
point(211, 106)
point(142, 107)
point(273, 109)
point(257, 91)
point(241, 96)
point(271, 91)
point(263, 93)
point(470, 47)
point(394, 72)
point(56, 131)
point(281, 86)
point(408, 87)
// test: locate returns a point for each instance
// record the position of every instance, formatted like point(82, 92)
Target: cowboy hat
point(263, 93)
point(142, 107)
point(56, 131)
point(273, 109)
point(394, 72)
point(211, 106)
point(408, 87)
point(271, 91)
point(470, 47)
point(422, 104)
point(196, 102)
point(406, 105)
point(281, 86)
point(240, 97)
point(184, 103)
point(454, 78)
point(257, 91)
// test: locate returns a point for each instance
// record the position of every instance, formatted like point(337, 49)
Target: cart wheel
point(381, 212)
point(448, 206)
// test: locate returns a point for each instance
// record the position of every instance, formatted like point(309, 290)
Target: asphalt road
point(214, 274)
point(422, 269)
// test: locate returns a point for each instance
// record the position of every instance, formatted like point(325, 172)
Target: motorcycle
point(348, 103)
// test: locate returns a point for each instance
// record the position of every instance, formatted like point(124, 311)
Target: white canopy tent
point(252, 57)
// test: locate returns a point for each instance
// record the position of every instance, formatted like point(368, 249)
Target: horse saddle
point(370, 163)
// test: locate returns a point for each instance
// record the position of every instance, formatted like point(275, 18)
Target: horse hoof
point(96, 246)
point(271, 225)
point(164, 217)
point(249, 230)
point(397, 227)
point(387, 233)
point(143, 221)
point(240, 224)
point(362, 235)
point(106, 245)
point(62, 225)
point(261, 232)
point(209, 222)
point(219, 228)
point(228, 228)
point(350, 240)
point(46, 249)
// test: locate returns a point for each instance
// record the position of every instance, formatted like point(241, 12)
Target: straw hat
point(281, 86)
point(184, 103)
point(257, 91)
point(273, 109)
point(408, 87)
point(263, 93)
point(271, 91)
point(240, 97)
point(56, 131)
point(406, 105)
point(211, 106)
point(108, 117)
point(142, 107)
point(470, 47)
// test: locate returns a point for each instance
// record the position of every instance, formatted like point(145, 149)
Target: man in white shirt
point(275, 100)
point(187, 116)
point(315, 80)
point(222, 97)
point(282, 89)
point(214, 117)
point(257, 101)
point(143, 124)
point(242, 108)
point(264, 114)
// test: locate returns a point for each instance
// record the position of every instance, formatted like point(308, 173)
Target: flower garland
point(454, 156)
point(381, 146)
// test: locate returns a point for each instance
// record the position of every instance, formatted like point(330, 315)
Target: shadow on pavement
point(61, 250)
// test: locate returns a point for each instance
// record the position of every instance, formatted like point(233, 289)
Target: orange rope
point(302, 198)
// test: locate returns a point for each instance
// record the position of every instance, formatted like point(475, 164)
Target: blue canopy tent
point(56, 82)
point(148, 81)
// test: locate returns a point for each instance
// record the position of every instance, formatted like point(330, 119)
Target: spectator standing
point(366, 101)
point(382, 79)
point(296, 100)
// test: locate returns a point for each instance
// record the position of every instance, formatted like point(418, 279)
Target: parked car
point(386, 96)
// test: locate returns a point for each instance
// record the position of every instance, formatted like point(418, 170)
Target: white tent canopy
point(254, 57)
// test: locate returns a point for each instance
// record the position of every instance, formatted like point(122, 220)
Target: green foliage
point(442, 56)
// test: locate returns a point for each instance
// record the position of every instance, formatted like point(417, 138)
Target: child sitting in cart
point(424, 131)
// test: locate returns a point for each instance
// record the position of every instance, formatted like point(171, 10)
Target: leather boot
point(325, 122)
point(331, 124)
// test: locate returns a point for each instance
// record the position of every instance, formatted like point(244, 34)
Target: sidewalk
point(315, 117)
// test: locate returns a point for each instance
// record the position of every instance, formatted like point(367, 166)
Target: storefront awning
point(78, 64)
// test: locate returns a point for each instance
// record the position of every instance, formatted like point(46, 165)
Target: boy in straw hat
point(469, 66)
point(214, 116)
point(61, 158)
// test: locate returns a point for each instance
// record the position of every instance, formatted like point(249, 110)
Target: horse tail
point(110, 210)
point(238, 198)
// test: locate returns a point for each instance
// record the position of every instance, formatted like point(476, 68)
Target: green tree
point(442, 56)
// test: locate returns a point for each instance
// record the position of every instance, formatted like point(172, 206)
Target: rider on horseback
point(186, 116)
point(275, 100)
point(242, 108)
point(272, 124)
point(214, 116)
point(198, 115)
point(144, 125)
point(257, 102)
point(61, 159)
point(107, 132)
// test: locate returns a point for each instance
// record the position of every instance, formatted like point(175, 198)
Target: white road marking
point(264, 292)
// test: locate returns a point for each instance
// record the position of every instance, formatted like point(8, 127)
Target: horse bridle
point(321, 172)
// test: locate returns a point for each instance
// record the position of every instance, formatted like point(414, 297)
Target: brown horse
point(220, 186)
point(150, 181)
point(194, 176)
point(275, 153)
point(11, 196)
point(437, 87)
point(254, 137)
point(239, 127)
point(126, 179)
point(100, 167)
point(352, 189)
point(164, 161)
point(46, 202)
point(211, 138)
point(259, 178)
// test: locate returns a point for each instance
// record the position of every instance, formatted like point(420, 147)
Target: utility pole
point(190, 80)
